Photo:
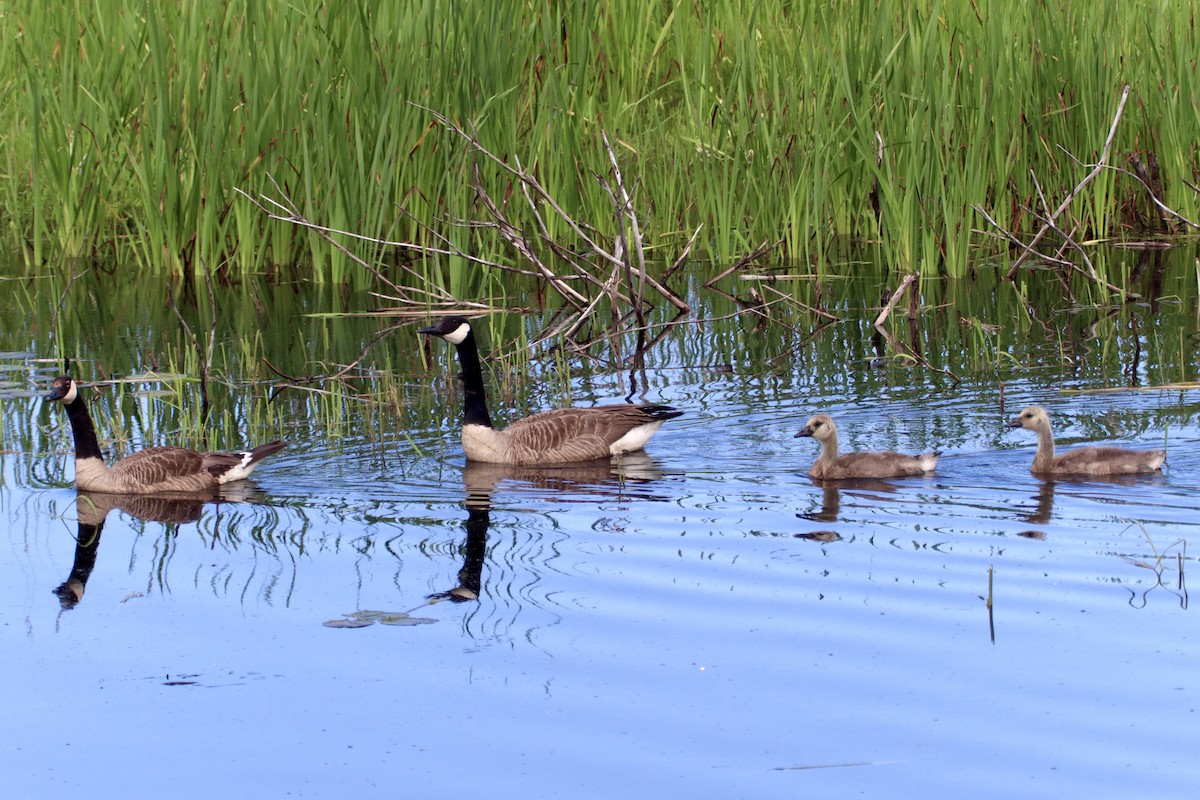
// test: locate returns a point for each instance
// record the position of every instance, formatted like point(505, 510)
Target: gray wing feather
point(1109, 461)
point(885, 464)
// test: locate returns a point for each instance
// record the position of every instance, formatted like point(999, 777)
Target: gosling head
point(64, 390)
point(453, 329)
point(819, 427)
point(1034, 418)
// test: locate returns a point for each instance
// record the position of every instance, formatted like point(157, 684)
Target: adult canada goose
point(885, 464)
point(157, 469)
point(1082, 460)
point(559, 436)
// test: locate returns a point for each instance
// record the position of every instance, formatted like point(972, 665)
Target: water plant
point(127, 133)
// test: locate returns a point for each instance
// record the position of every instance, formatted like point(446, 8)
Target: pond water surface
point(703, 620)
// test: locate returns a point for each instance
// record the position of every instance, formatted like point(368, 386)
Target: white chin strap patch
point(71, 394)
point(457, 335)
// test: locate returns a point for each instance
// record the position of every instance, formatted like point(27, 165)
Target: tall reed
point(127, 125)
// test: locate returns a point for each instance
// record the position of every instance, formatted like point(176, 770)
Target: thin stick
point(639, 251)
point(760, 251)
point(1066, 203)
point(896, 295)
point(990, 609)
point(683, 256)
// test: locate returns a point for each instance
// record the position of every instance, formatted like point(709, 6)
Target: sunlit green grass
point(126, 126)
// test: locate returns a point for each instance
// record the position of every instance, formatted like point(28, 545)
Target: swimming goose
point(885, 464)
point(1082, 460)
point(157, 469)
point(560, 436)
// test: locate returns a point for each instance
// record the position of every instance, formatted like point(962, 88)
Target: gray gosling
point(154, 470)
point(559, 436)
point(1082, 460)
point(883, 464)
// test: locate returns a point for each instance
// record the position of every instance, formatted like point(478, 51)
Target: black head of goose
point(1082, 460)
point(560, 436)
point(831, 465)
point(154, 470)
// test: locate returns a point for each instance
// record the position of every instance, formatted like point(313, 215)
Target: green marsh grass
point(127, 126)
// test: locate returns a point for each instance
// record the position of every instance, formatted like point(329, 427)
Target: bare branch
point(908, 281)
point(1066, 203)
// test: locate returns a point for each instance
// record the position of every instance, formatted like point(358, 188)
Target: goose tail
point(928, 461)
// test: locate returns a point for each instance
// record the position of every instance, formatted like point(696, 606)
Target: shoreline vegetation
point(145, 134)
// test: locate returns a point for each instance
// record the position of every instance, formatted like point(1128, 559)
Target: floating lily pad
point(363, 619)
point(405, 619)
point(367, 614)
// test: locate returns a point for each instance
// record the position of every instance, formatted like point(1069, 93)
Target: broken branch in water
point(908, 281)
point(597, 270)
point(761, 251)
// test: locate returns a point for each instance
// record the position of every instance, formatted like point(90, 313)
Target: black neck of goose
point(475, 404)
point(86, 445)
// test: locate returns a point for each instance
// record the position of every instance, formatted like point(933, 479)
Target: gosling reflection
point(621, 477)
point(92, 510)
point(1045, 504)
point(1044, 510)
point(831, 496)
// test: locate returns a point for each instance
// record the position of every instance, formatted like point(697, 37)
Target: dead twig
point(345, 370)
point(908, 281)
point(758, 253)
point(1097, 168)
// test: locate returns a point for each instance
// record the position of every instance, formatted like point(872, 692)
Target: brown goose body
point(831, 465)
point(154, 470)
point(566, 435)
point(1082, 460)
point(560, 436)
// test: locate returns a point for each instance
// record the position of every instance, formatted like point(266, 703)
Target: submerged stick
point(991, 616)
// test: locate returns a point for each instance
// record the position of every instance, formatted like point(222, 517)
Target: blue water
point(704, 621)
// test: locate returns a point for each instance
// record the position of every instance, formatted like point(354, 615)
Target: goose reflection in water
point(622, 477)
point(831, 496)
point(92, 509)
point(1043, 511)
point(1045, 504)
